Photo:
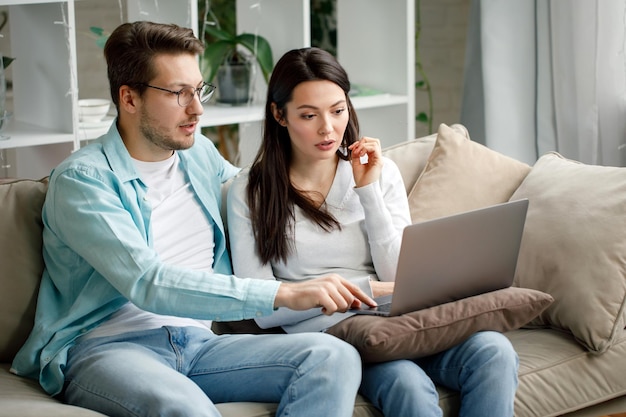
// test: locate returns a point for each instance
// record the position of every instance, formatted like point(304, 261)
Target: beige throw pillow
point(574, 247)
point(463, 175)
point(411, 157)
point(21, 262)
point(432, 330)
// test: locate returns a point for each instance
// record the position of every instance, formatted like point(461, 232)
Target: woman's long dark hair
point(271, 196)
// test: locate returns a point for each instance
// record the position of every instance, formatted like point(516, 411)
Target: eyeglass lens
point(204, 94)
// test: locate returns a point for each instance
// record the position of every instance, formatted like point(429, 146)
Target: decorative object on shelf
point(93, 110)
point(230, 57)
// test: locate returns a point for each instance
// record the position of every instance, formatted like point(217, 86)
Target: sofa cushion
point(463, 175)
point(362, 408)
point(574, 247)
point(24, 397)
point(21, 260)
point(558, 375)
point(432, 330)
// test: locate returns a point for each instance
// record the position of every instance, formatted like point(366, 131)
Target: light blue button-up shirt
point(97, 248)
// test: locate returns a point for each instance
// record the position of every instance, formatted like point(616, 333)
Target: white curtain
point(548, 75)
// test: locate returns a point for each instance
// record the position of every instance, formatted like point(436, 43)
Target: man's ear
point(128, 99)
point(278, 115)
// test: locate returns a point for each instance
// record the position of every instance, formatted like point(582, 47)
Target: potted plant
point(228, 59)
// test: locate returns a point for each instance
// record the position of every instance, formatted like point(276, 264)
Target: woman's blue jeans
point(483, 369)
point(175, 371)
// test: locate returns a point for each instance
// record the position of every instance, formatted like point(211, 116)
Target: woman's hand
point(380, 288)
point(367, 161)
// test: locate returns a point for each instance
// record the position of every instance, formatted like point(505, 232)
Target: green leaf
point(217, 52)
point(260, 47)
point(96, 30)
point(101, 41)
point(420, 84)
point(214, 55)
point(101, 35)
point(218, 34)
point(6, 61)
point(422, 117)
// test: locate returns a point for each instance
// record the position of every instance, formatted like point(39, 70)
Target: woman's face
point(316, 119)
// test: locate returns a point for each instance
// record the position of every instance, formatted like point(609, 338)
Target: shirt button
point(259, 314)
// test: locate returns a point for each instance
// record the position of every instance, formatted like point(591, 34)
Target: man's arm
point(332, 292)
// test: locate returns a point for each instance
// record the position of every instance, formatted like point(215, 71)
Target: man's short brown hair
point(132, 47)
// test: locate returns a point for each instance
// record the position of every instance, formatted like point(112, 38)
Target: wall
point(92, 82)
point(106, 14)
point(442, 49)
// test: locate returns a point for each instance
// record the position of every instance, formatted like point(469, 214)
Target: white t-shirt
point(182, 235)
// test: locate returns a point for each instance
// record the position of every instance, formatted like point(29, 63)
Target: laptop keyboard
point(385, 308)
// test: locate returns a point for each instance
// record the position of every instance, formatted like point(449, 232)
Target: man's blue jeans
point(483, 369)
point(175, 371)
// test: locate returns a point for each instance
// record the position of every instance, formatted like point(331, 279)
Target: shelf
point(90, 134)
point(24, 134)
point(217, 115)
point(379, 100)
point(387, 28)
point(23, 2)
point(42, 80)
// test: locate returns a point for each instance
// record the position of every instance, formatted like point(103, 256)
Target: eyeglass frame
point(196, 90)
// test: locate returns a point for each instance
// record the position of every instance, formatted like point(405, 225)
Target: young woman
point(317, 200)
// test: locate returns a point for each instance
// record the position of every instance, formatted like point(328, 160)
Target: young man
point(136, 258)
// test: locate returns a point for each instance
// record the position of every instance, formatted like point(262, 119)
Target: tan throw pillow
point(574, 247)
point(21, 262)
point(463, 175)
point(411, 157)
point(429, 331)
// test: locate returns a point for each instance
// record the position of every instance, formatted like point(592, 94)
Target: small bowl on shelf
point(93, 110)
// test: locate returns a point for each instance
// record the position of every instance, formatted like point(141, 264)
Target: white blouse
point(372, 219)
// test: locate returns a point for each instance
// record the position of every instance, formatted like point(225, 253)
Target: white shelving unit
point(45, 128)
point(375, 45)
point(44, 83)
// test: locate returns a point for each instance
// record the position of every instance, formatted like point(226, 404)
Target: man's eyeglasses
point(185, 94)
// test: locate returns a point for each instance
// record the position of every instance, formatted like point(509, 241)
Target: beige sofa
point(572, 357)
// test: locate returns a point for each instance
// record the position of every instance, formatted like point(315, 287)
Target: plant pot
point(233, 83)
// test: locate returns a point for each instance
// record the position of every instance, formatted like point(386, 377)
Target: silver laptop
point(454, 257)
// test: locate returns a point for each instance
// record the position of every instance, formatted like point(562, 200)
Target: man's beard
point(150, 130)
